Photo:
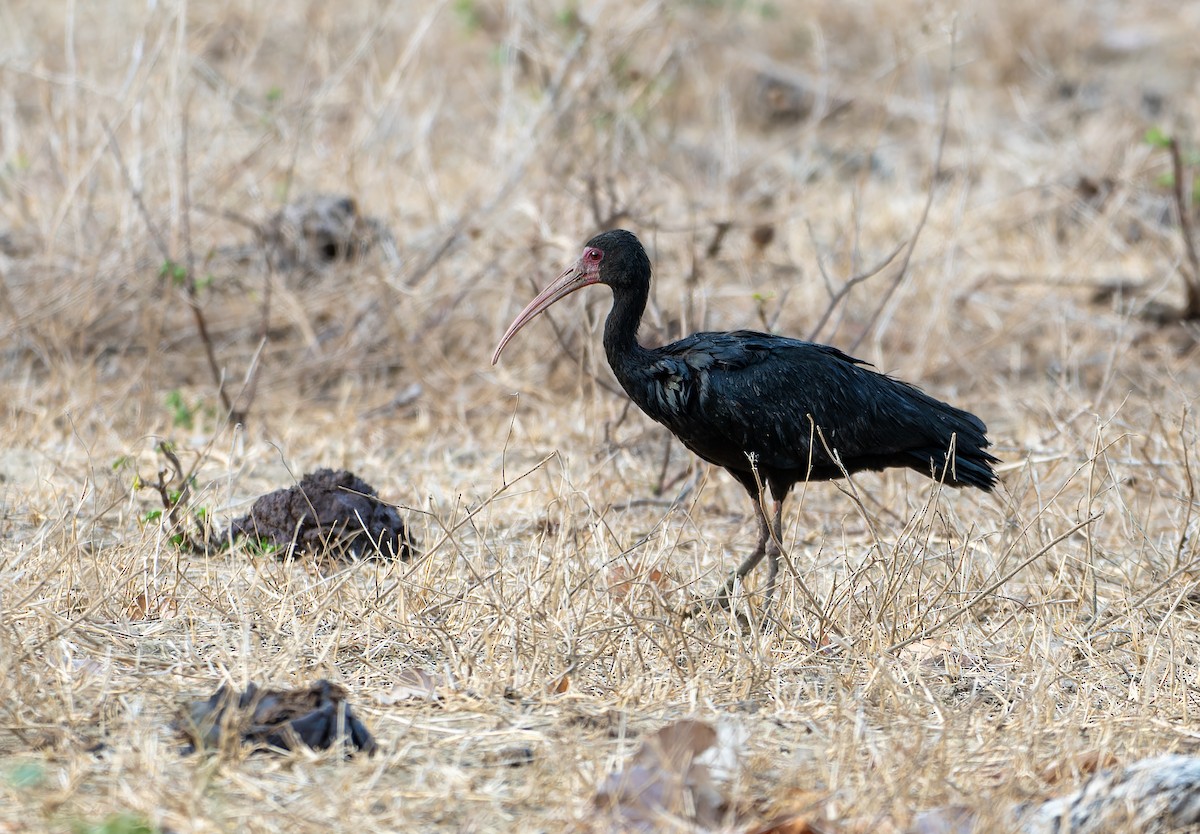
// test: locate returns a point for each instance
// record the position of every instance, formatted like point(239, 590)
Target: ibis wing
point(791, 403)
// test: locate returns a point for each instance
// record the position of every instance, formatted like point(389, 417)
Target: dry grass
point(493, 139)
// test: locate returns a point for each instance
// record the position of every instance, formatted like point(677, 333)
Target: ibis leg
point(774, 548)
point(770, 533)
point(760, 550)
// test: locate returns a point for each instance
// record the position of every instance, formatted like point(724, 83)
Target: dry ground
point(493, 139)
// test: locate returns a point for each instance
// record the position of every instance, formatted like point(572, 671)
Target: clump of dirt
point(329, 512)
point(322, 229)
point(777, 98)
point(318, 716)
point(314, 233)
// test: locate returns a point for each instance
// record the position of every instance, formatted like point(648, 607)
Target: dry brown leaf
point(794, 824)
point(1078, 764)
point(624, 578)
point(561, 685)
point(939, 654)
point(139, 607)
point(823, 643)
point(144, 607)
point(815, 823)
point(415, 685)
point(675, 745)
point(952, 819)
point(664, 781)
point(802, 811)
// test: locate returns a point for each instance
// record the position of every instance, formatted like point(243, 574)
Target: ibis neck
point(620, 329)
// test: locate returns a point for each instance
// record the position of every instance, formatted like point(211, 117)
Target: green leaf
point(27, 775)
point(115, 824)
point(263, 547)
point(177, 272)
point(568, 17)
point(467, 14)
point(1156, 137)
point(183, 415)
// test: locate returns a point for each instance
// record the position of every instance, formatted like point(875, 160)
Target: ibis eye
point(594, 254)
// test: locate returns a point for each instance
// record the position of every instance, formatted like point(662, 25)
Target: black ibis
point(771, 410)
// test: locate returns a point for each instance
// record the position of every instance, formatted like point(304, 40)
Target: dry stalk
point(188, 277)
point(990, 589)
point(934, 176)
point(1191, 275)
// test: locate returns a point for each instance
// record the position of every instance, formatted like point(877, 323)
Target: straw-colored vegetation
point(958, 648)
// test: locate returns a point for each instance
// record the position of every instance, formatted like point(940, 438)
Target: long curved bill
point(575, 278)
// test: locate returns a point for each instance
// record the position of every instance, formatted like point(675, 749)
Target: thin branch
point(135, 192)
point(189, 278)
point(935, 174)
point(836, 298)
point(617, 209)
point(721, 229)
point(990, 589)
point(516, 172)
point(1191, 281)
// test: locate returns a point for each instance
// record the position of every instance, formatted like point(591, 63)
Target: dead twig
point(934, 176)
point(839, 296)
point(189, 276)
point(170, 265)
point(606, 217)
point(999, 583)
point(174, 488)
point(1191, 276)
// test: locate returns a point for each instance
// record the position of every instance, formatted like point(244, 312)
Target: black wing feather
point(731, 395)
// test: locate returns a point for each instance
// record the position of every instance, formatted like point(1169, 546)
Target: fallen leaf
point(675, 745)
point(1078, 764)
point(794, 824)
point(145, 607)
point(816, 822)
point(664, 780)
point(800, 813)
point(415, 685)
point(624, 578)
point(938, 654)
